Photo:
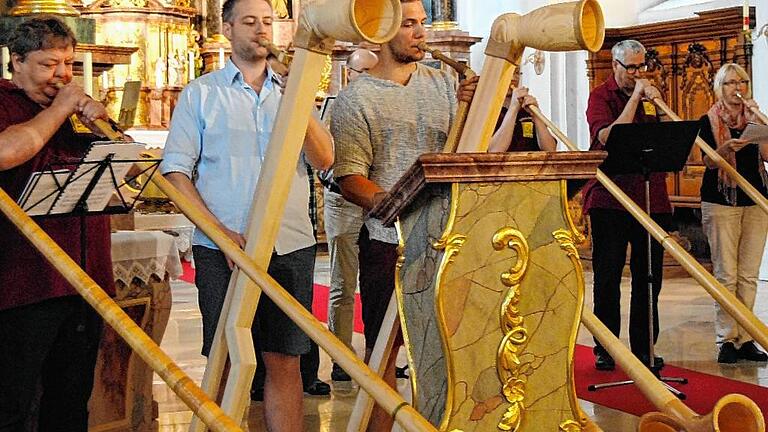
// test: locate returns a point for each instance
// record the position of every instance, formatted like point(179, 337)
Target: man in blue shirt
point(215, 149)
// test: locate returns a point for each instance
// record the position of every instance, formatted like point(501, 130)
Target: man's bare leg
point(380, 420)
point(283, 393)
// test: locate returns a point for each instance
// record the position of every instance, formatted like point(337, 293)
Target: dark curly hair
point(39, 33)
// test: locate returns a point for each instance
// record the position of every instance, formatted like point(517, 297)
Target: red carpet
point(702, 390)
point(319, 301)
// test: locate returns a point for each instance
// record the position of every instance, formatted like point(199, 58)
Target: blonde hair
point(720, 79)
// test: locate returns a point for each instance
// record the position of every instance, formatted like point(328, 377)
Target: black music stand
point(85, 187)
point(646, 148)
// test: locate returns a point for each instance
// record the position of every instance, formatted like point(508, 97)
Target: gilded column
point(213, 17)
point(444, 14)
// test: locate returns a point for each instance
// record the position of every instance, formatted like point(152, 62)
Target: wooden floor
point(686, 339)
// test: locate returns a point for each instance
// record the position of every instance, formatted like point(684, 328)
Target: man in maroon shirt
point(625, 97)
point(49, 336)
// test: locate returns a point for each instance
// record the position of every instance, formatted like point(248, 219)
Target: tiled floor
point(686, 339)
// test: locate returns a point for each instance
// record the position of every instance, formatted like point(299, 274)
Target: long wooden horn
point(322, 22)
point(741, 313)
point(763, 118)
point(558, 27)
point(721, 163)
point(369, 380)
point(139, 341)
point(463, 107)
point(281, 56)
point(732, 413)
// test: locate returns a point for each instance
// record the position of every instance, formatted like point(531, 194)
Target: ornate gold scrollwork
point(512, 326)
point(570, 426)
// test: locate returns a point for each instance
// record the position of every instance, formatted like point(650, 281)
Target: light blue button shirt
point(223, 126)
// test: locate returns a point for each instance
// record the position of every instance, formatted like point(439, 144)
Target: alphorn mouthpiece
point(281, 56)
point(459, 67)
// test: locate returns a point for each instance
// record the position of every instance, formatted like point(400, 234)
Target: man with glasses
point(625, 97)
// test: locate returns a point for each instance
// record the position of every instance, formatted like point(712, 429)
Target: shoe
point(658, 362)
point(728, 353)
point(604, 362)
point(400, 372)
point(257, 395)
point(317, 388)
point(339, 374)
point(750, 351)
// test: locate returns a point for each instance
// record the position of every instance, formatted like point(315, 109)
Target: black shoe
point(604, 362)
point(338, 374)
point(658, 362)
point(317, 388)
point(400, 372)
point(728, 353)
point(257, 395)
point(750, 351)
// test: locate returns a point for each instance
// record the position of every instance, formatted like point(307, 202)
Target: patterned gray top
point(381, 127)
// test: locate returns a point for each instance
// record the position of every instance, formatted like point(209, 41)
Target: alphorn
point(721, 163)
point(105, 306)
point(369, 381)
point(320, 24)
point(558, 27)
point(281, 56)
point(731, 406)
point(763, 118)
point(732, 413)
point(463, 107)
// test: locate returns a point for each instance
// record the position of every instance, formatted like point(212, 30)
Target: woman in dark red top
point(49, 336)
point(735, 226)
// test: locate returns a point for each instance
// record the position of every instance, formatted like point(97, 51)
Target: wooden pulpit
point(490, 287)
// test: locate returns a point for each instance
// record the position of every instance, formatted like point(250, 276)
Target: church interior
point(137, 56)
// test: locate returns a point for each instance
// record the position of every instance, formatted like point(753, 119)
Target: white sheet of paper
point(755, 133)
point(40, 192)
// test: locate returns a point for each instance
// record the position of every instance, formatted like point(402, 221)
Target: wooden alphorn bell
point(321, 23)
point(463, 107)
point(721, 163)
point(558, 27)
point(181, 384)
point(733, 412)
point(763, 118)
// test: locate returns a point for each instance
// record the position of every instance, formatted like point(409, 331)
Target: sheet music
point(41, 191)
point(105, 188)
point(755, 133)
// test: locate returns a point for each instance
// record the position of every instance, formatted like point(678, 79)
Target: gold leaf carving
point(570, 426)
point(508, 362)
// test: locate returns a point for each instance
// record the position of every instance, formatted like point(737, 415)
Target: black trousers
point(612, 231)
point(51, 347)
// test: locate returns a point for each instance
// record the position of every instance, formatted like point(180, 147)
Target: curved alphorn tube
point(463, 107)
point(721, 163)
point(405, 415)
point(732, 413)
point(741, 313)
point(763, 118)
point(559, 27)
point(140, 342)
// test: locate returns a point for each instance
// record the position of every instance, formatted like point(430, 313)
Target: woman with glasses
point(735, 226)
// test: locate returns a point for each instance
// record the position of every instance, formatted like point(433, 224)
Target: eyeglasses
point(633, 69)
point(734, 83)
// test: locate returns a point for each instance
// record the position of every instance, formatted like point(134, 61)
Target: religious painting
point(283, 8)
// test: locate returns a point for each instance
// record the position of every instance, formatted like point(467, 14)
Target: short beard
point(247, 53)
point(404, 58)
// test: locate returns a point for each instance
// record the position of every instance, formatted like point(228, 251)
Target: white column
point(88, 73)
point(5, 57)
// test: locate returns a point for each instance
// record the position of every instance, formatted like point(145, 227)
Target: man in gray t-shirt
point(381, 123)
